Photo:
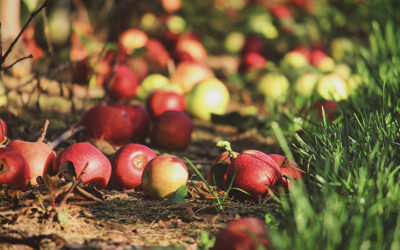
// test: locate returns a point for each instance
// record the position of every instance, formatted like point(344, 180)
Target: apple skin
point(288, 168)
point(234, 42)
point(171, 5)
point(248, 233)
point(122, 84)
point(157, 55)
point(305, 84)
point(218, 169)
point(254, 44)
point(38, 155)
point(150, 83)
point(132, 39)
point(98, 170)
point(140, 119)
point(256, 173)
point(14, 169)
point(188, 74)
point(163, 175)
point(139, 67)
point(274, 85)
point(332, 87)
point(3, 131)
point(160, 101)
point(128, 164)
point(107, 123)
point(172, 130)
point(281, 12)
point(208, 97)
point(252, 61)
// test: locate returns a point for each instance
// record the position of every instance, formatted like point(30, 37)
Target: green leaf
point(178, 196)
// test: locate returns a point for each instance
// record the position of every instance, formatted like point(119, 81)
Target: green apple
point(176, 24)
point(262, 24)
point(234, 42)
point(274, 86)
point(151, 83)
point(342, 70)
point(59, 26)
point(294, 59)
point(353, 82)
point(305, 84)
point(332, 87)
point(207, 97)
point(340, 47)
point(326, 65)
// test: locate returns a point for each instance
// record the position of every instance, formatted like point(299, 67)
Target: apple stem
point(227, 146)
point(64, 136)
point(44, 131)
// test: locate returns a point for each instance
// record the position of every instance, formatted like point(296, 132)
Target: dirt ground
point(119, 218)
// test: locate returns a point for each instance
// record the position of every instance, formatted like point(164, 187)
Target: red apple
point(281, 12)
point(28, 37)
point(171, 5)
point(256, 173)
point(139, 67)
point(289, 169)
point(128, 164)
point(160, 101)
point(217, 171)
point(38, 155)
point(254, 44)
point(81, 71)
point(163, 175)
point(157, 54)
point(132, 39)
point(140, 120)
point(317, 56)
point(98, 169)
point(248, 233)
point(192, 48)
point(303, 50)
point(172, 130)
point(14, 170)
point(108, 123)
point(122, 83)
point(252, 61)
point(3, 131)
point(330, 109)
point(188, 74)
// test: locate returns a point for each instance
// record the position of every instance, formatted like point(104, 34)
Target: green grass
point(350, 198)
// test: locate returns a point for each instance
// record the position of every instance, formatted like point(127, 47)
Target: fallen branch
point(64, 136)
point(44, 131)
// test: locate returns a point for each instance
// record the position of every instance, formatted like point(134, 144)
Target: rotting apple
point(172, 130)
point(38, 155)
point(14, 170)
point(256, 173)
point(107, 123)
point(188, 74)
point(3, 131)
point(128, 164)
point(91, 165)
point(217, 173)
point(132, 39)
point(163, 175)
point(140, 120)
point(245, 233)
point(122, 83)
point(208, 97)
point(160, 101)
point(290, 170)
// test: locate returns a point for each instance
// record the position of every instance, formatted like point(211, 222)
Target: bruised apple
point(14, 170)
point(128, 164)
point(160, 101)
point(90, 164)
point(140, 119)
point(256, 173)
point(289, 169)
point(38, 155)
point(163, 175)
point(244, 233)
point(172, 130)
point(107, 123)
point(217, 172)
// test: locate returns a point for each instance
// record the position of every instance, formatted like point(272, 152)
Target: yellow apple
point(274, 86)
point(305, 84)
point(332, 87)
